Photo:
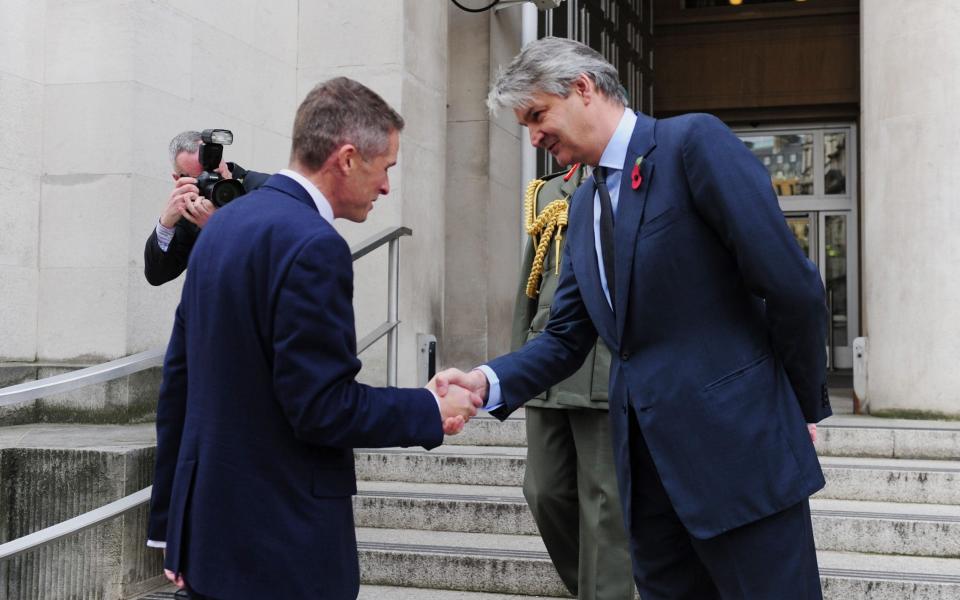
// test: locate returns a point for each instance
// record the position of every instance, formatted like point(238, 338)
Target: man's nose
point(385, 188)
point(535, 137)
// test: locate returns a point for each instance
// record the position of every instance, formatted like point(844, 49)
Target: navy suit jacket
point(717, 338)
point(259, 410)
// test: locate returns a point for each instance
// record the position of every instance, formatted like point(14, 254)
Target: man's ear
point(583, 87)
point(347, 157)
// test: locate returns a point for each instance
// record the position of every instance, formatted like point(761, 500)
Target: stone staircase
point(451, 524)
point(887, 525)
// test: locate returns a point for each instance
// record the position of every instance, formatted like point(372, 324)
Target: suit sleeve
point(160, 267)
point(553, 355)
point(732, 193)
point(315, 362)
point(171, 412)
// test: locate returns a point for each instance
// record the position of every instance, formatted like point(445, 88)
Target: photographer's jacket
point(160, 267)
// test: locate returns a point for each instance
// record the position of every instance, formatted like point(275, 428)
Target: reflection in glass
point(835, 274)
point(835, 163)
point(789, 160)
point(800, 226)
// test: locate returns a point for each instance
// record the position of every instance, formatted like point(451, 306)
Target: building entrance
point(814, 177)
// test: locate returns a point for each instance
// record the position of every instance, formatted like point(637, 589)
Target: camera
point(212, 185)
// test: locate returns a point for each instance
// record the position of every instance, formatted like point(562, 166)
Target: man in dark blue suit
point(259, 410)
point(679, 257)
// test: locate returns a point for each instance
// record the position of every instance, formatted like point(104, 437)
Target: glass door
point(814, 176)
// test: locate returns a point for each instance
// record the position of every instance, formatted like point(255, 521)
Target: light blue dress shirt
point(612, 158)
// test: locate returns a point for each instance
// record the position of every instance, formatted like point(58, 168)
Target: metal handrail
point(77, 524)
point(67, 382)
point(151, 358)
point(375, 241)
point(389, 327)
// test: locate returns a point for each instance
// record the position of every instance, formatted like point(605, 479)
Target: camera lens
point(224, 191)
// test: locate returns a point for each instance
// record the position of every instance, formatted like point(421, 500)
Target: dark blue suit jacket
point(718, 333)
point(259, 411)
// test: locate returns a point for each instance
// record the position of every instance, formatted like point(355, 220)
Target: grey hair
point(185, 141)
point(551, 65)
point(342, 111)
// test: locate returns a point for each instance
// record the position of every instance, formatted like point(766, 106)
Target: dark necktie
point(606, 228)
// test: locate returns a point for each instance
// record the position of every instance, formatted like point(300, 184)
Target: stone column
point(483, 192)
point(911, 246)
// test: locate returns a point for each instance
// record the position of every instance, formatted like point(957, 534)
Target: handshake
point(460, 395)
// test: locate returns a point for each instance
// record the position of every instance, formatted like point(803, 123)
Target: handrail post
point(393, 303)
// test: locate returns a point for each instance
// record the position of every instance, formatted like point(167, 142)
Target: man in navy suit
point(679, 257)
point(259, 410)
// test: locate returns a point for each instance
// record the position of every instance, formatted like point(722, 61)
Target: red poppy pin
point(635, 177)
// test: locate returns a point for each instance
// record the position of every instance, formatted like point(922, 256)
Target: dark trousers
point(571, 487)
point(770, 559)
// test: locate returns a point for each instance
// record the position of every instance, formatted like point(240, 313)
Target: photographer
point(168, 247)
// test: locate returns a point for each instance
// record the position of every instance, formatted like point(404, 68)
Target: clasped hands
point(460, 395)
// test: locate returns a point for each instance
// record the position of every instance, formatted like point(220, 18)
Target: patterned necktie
point(606, 228)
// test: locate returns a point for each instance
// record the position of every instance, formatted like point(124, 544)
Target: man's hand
point(457, 405)
point(812, 429)
point(475, 381)
point(184, 190)
point(198, 211)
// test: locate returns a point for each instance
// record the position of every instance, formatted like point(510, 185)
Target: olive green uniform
point(570, 483)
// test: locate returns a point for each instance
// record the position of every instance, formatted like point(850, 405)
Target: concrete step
point(840, 435)
point(511, 564)
point(381, 592)
point(887, 527)
point(51, 473)
point(865, 436)
point(384, 592)
point(871, 479)
point(872, 527)
point(891, 480)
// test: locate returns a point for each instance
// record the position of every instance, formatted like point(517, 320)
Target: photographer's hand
point(198, 211)
point(183, 191)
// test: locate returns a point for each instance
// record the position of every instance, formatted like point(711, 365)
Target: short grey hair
point(185, 141)
point(551, 65)
point(342, 111)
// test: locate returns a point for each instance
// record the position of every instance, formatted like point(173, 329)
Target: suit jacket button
point(625, 356)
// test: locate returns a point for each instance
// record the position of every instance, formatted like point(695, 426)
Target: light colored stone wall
point(911, 247)
point(483, 191)
point(88, 106)
point(21, 113)
point(397, 48)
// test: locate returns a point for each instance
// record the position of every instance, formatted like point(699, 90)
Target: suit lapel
point(630, 212)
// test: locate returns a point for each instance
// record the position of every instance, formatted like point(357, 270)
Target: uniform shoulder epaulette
point(542, 227)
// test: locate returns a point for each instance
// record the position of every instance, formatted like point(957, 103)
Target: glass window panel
point(835, 275)
point(800, 226)
point(789, 160)
point(835, 163)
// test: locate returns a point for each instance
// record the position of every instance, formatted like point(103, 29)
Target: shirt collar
point(323, 205)
point(615, 153)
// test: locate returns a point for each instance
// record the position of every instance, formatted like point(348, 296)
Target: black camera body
point(212, 185)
